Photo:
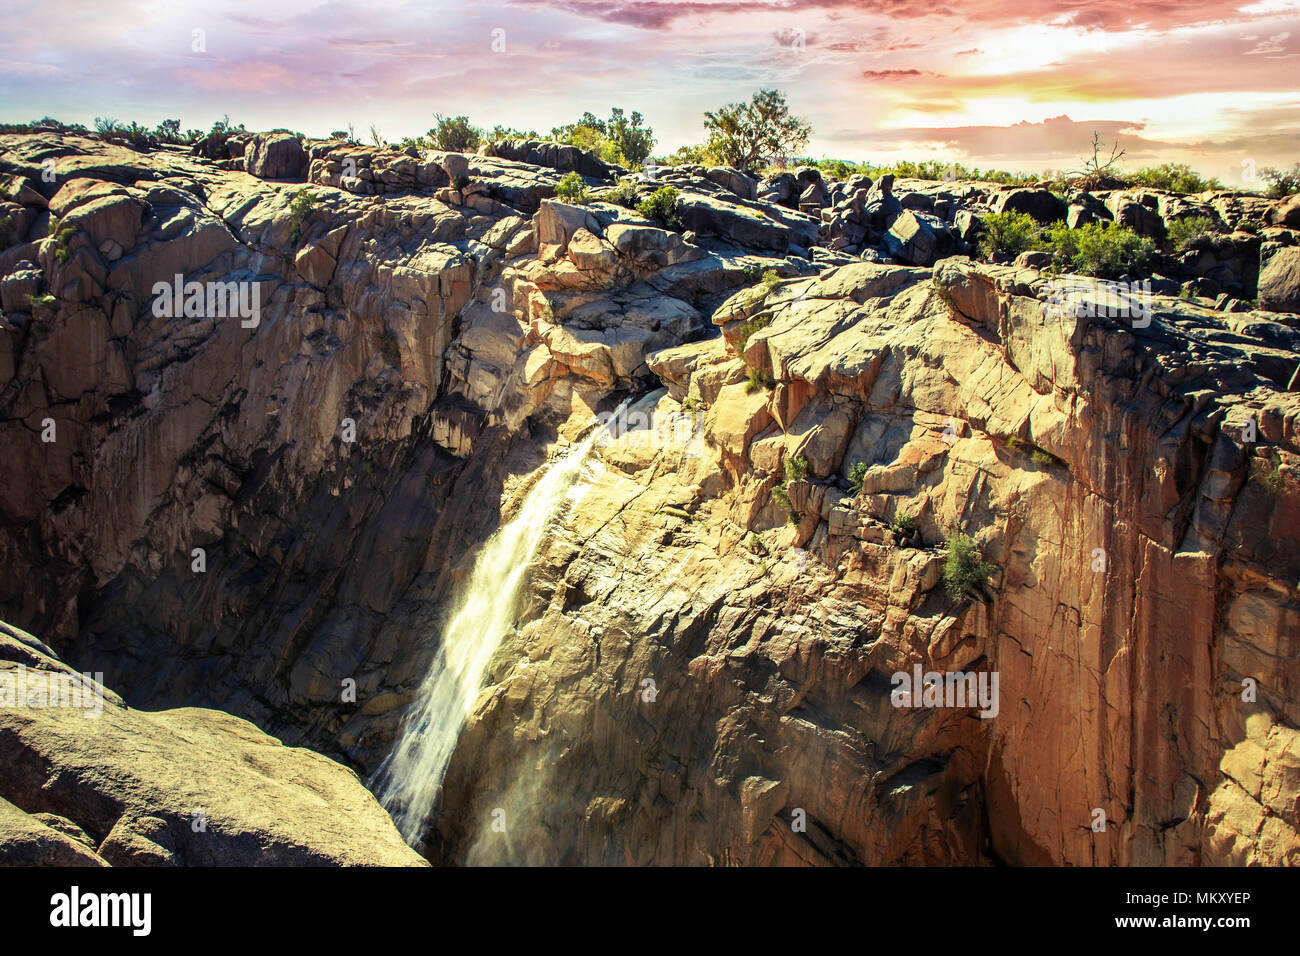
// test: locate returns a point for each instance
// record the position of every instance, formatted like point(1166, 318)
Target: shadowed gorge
point(379, 529)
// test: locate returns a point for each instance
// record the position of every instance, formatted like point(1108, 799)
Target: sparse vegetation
point(454, 134)
point(573, 189)
point(765, 286)
point(1281, 182)
point(42, 301)
point(624, 194)
point(796, 468)
point(748, 329)
point(1008, 234)
point(905, 525)
point(661, 207)
point(1039, 456)
point(757, 380)
point(61, 235)
point(459, 182)
point(1184, 232)
point(965, 573)
point(856, 476)
point(300, 207)
point(1175, 177)
point(1098, 173)
point(1268, 472)
point(1103, 249)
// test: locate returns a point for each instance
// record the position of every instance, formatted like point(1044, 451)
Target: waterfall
point(410, 779)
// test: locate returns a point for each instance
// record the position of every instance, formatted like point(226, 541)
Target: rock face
point(245, 516)
point(96, 783)
point(275, 156)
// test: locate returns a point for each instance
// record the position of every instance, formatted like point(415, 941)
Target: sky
point(1013, 85)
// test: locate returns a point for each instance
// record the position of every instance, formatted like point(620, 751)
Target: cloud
point(893, 74)
point(1268, 47)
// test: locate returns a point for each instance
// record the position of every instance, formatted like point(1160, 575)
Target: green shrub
point(757, 380)
point(905, 524)
point(796, 469)
point(965, 574)
point(1269, 477)
point(624, 194)
point(454, 134)
point(856, 475)
point(1175, 177)
point(782, 494)
point(753, 542)
point(460, 182)
point(300, 206)
point(573, 189)
point(766, 284)
point(1008, 234)
point(41, 301)
point(748, 329)
point(661, 206)
point(1281, 182)
point(1103, 249)
point(1184, 232)
point(61, 235)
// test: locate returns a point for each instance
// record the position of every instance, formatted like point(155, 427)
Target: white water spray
point(410, 779)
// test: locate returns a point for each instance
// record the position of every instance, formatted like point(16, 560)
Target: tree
point(621, 139)
point(455, 134)
point(633, 140)
point(751, 135)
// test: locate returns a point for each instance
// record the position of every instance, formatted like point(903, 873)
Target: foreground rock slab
point(179, 787)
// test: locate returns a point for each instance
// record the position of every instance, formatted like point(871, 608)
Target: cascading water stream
point(410, 779)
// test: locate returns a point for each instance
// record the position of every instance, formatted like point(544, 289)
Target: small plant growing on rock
point(965, 573)
point(748, 329)
point(856, 476)
point(1269, 477)
point(1184, 232)
point(1008, 234)
point(1103, 249)
point(752, 542)
point(624, 194)
point(300, 207)
point(573, 189)
point(460, 182)
point(661, 206)
point(757, 380)
point(766, 285)
point(905, 525)
point(42, 301)
point(61, 234)
point(796, 468)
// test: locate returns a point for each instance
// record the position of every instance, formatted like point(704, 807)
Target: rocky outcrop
point(275, 156)
point(249, 516)
point(91, 782)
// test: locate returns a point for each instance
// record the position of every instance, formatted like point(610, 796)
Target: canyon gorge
point(517, 530)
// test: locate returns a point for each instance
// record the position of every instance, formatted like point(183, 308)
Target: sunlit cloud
point(1020, 84)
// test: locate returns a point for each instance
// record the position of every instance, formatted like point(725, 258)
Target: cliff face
point(695, 677)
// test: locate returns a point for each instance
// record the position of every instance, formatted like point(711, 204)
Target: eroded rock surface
point(468, 324)
point(94, 783)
